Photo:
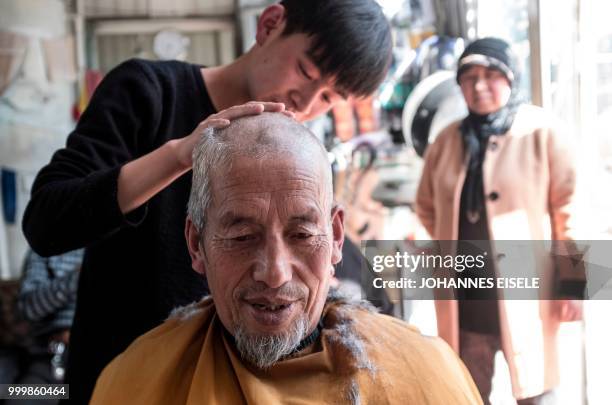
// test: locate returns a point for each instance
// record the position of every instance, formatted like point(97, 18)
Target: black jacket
point(136, 267)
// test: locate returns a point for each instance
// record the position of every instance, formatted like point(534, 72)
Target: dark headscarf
point(476, 129)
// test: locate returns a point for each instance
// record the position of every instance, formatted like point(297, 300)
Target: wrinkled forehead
point(252, 187)
point(273, 172)
point(270, 151)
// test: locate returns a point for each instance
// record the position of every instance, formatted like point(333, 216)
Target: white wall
point(35, 112)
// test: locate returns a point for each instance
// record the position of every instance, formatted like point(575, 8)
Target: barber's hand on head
point(142, 178)
point(184, 146)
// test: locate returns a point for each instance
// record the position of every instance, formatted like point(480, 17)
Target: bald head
point(264, 137)
point(270, 133)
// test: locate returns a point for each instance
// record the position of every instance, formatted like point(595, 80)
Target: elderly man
point(263, 229)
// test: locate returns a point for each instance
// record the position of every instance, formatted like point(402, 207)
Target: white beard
point(263, 351)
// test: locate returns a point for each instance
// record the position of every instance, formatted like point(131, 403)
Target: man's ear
point(271, 19)
point(338, 233)
point(193, 244)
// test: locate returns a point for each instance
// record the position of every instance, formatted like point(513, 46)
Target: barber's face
point(485, 90)
point(282, 70)
point(269, 245)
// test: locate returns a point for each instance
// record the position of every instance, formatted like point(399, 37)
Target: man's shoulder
point(163, 357)
point(184, 326)
point(395, 325)
point(182, 319)
point(388, 333)
point(403, 363)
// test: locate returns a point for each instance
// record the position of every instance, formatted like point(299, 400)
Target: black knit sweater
point(136, 267)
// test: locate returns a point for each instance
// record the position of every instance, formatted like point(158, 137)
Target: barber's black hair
point(351, 40)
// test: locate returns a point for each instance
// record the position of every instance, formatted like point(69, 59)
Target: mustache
point(288, 291)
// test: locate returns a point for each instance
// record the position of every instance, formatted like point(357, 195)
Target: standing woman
point(502, 173)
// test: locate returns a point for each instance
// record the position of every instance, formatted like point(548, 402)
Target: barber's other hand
point(184, 146)
point(568, 310)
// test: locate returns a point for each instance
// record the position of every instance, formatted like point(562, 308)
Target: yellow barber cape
point(360, 357)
